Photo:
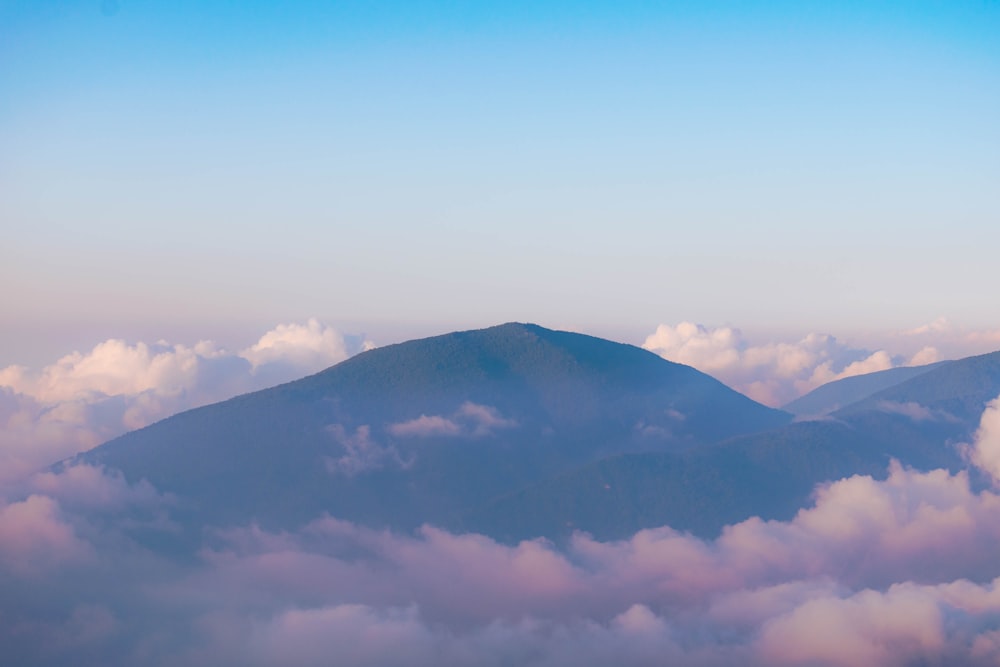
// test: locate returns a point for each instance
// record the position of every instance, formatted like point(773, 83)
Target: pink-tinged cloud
point(34, 538)
point(470, 419)
point(84, 399)
point(485, 420)
point(899, 627)
point(775, 372)
point(92, 487)
point(914, 411)
point(928, 527)
point(876, 572)
point(425, 426)
point(985, 449)
point(900, 571)
point(361, 453)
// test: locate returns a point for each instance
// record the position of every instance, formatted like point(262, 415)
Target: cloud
point(425, 426)
point(772, 373)
point(93, 487)
point(484, 420)
point(914, 411)
point(984, 452)
point(945, 338)
point(890, 572)
point(471, 419)
point(34, 537)
point(361, 453)
point(898, 571)
point(84, 399)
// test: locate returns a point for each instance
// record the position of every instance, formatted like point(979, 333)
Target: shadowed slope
point(918, 421)
point(421, 431)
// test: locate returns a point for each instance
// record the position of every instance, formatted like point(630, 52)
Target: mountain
point(832, 396)
point(956, 390)
point(919, 421)
point(426, 431)
point(770, 475)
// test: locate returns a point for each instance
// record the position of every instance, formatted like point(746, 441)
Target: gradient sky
point(190, 166)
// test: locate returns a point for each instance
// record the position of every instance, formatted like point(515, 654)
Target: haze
point(189, 171)
point(244, 207)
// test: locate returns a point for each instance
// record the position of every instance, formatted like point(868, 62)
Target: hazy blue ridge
point(957, 390)
point(835, 395)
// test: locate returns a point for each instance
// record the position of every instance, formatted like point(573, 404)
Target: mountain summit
point(426, 430)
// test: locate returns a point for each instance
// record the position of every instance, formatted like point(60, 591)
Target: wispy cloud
point(470, 419)
point(361, 453)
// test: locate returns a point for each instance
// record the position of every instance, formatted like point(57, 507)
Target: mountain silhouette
point(428, 430)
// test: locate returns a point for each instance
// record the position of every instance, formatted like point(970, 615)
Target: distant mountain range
point(517, 431)
point(835, 395)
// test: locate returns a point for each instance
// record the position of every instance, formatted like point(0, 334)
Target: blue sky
point(414, 167)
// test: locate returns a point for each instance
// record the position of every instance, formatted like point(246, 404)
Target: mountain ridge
point(422, 430)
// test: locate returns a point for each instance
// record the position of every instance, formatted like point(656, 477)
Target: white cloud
point(84, 399)
point(425, 426)
point(360, 452)
point(985, 449)
point(773, 373)
point(288, 350)
point(34, 537)
point(945, 339)
point(483, 419)
point(914, 411)
point(470, 419)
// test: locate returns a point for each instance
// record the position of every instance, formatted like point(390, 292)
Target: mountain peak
point(422, 430)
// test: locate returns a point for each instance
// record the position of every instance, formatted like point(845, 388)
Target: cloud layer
point(901, 571)
point(84, 399)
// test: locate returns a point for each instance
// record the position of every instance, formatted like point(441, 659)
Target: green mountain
point(426, 431)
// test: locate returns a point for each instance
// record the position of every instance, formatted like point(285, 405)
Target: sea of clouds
point(900, 571)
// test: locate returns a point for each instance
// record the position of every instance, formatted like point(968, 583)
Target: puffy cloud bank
point(903, 571)
point(84, 399)
point(776, 372)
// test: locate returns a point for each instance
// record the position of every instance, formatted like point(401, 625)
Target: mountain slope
point(919, 422)
point(425, 430)
point(770, 475)
point(958, 390)
point(835, 395)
